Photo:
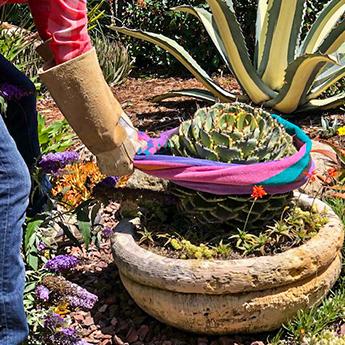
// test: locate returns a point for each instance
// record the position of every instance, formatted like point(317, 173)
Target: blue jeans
point(14, 193)
point(21, 122)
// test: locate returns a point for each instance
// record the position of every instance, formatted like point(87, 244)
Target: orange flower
point(141, 3)
point(332, 172)
point(258, 192)
point(311, 175)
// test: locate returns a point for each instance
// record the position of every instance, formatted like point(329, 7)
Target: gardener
point(75, 80)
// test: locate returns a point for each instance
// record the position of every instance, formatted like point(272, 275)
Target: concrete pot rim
point(217, 277)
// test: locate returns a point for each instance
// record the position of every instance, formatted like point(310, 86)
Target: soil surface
point(116, 319)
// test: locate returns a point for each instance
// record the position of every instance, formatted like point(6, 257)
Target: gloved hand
point(76, 82)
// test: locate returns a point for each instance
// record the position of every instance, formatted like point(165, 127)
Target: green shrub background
point(155, 16)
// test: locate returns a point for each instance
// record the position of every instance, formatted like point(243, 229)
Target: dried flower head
point(77, 183)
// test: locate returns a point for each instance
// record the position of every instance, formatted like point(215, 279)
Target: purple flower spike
point(42, 293)
point(41, 246)
point(61, 263)
point(53, 321)
point(108, 182)
point(53, 162)
point(13, 92)
point(107, 232)
point(82, 299)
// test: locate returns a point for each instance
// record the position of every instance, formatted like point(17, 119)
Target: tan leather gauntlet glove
point(83, 96)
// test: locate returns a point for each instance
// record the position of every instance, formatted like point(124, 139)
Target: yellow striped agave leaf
point(287, 75)
point(334, 40)
point(264, 6)
point(234, 43)
point(323, 26)
point(195, 93)
point(284, 25)
point(327, 78)
point(299, 76)
point(324, 104)
point(206, 19)
point(183, 56)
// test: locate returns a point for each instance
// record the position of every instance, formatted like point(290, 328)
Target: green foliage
point(17, 46)
point(312, 322)
point(329, 128)
point(56, 137)
point(154, 15)
point(183, 240)
point(113, 58)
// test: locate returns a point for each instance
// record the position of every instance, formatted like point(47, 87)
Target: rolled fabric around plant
point(67, 24)
point(277, 177)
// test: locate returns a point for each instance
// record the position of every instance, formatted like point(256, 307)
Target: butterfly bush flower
point(61, 263)
point(53, 321)
point(13, 92)
point(66, 336)
point(108, 182)
point(82, 299)
point(42, 293)
point(41, 246)
point(53, 162)
point(107, 232)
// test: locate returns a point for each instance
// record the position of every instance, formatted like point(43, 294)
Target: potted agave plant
point(273, 252)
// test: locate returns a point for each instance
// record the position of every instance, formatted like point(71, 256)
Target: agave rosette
point(287, 74)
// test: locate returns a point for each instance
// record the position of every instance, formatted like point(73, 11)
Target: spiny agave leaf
point(234, 43)
point(240, 120)
point(184, 127)
point(220, 139)
point(206, 153)
point(229, 154)
point(284, 23)
point(247, 146)
point(201, 94)
point(205, 138)
point(206, 19)
point(183, 56)
point(298, 79)
point(334, 40)
point(175, 142)
point(324, 104)
point(189, 146)
point(226, 121)
point(323, 25)
point(320, 87)
point(261, 29)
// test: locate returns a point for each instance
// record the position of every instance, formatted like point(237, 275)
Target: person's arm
point(76, 82)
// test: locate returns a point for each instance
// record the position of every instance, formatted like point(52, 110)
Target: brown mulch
point(117, 320)
point(135, 94)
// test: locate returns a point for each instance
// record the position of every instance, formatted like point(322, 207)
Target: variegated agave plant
point(288, 74)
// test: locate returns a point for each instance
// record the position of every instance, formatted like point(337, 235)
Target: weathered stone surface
point(140, 180)
point(230, 296)
point(322, 164)
point(229, 276)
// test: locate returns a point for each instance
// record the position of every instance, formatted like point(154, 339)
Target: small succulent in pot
point(231, 133)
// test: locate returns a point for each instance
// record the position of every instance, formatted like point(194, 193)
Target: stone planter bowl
point(231, 296)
